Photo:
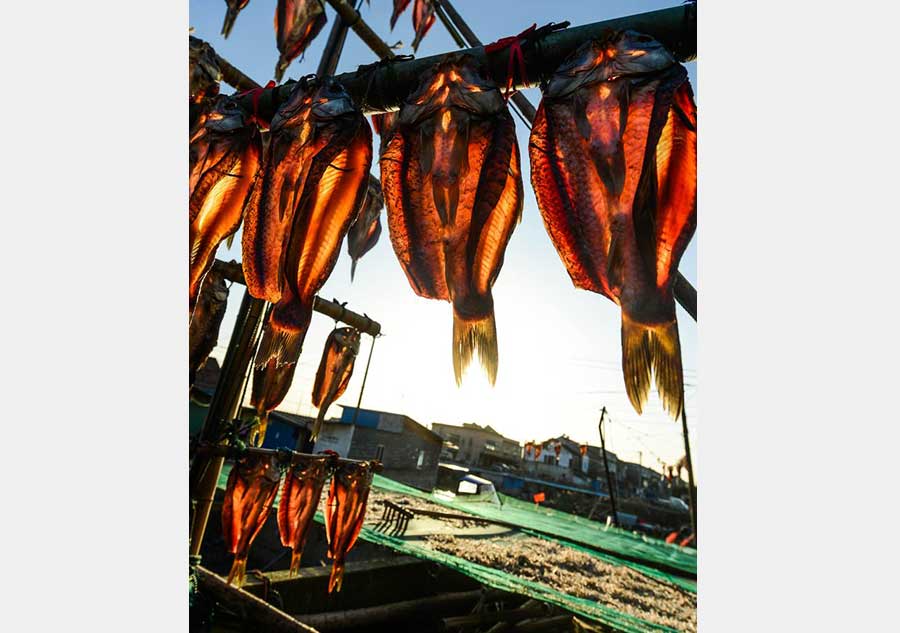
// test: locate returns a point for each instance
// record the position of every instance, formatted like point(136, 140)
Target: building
point(408, 451)
point(476, 445)
point(569, 464)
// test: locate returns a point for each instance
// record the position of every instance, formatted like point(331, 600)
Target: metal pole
point(692, 496)
point(363, 387)
point(685, 293)
point(609, 481)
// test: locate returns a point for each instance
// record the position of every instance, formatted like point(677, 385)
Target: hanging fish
point(224, 160)
point(613, 164)
point(423, 17)
point(297, 22)
point(453, 189)
point(335, 369)
point(249, 493)
point(345, 511)
point(311, 190)
point(204, 74)
point(207, 317)
point(365, 231)
point(384, 124)
point(234, 7)
point(272, 378)
point(300, 496)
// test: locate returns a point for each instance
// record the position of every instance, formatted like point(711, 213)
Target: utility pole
point(609, 482)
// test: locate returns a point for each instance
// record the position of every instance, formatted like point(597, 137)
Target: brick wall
point(401, 454)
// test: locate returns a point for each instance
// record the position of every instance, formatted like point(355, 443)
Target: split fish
point(272, 378)
point(224, 161)
point(345, 511)
point(423, 17)
point(234, 7)
point(365, 231)
point(206, 320)
point(311, 190)
point(614, 167)
point(335, 369)
point(297, 22)
point(451, 179)
point(300, 496)
point(251, 489)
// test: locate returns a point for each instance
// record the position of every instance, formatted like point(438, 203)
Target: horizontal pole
point(232, 271)
point(383, 87)
point(232, 453)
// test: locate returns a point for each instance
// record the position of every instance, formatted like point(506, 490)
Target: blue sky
point(559, 346)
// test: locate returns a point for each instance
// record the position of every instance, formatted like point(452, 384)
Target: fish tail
point(352, 268)
point(230, 17)
point(320, 419)
point(258, 433)
point(337, 576)
point(665, 356)
point(295, 562)
point(474, 334)
point(281, 345)
point(652, 349)
point(238, 569)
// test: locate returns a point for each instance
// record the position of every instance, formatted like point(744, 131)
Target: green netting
point(505, 581)
point(562, 525)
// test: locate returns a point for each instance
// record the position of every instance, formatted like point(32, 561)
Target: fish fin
point(472, 335)
point(636, 364)
point(238, 569)
point(665, 357)
point(229, 241)
point(258, 432)
point(295, 562)
point(614, 261)
point(337, 576)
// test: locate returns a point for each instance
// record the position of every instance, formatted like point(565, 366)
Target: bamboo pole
point(254, 609)
point(387, 613)
point(232, 271)
point(383, 87)
point(692, 492)
point(351, 18)
point(230, 452)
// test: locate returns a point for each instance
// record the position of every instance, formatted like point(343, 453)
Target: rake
point(394, 520)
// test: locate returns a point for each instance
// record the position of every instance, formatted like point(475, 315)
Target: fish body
point(224, 161)
point(423, 17)
point(453, 189)
point(234, 7)
point(345, 512)
point(365, 231)
point(272, 378)
point(297, 22)
point(312, 188)
point(249, 493)
point(335, 369)
point(206, 320)
point(300, 496)
point(613, 155)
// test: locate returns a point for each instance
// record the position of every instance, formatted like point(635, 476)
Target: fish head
point(331, 101)
point(626, 53)
point(454, 81)
point(297, 106)
point(227, 116)
point(633, 53)
point(204, 74)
